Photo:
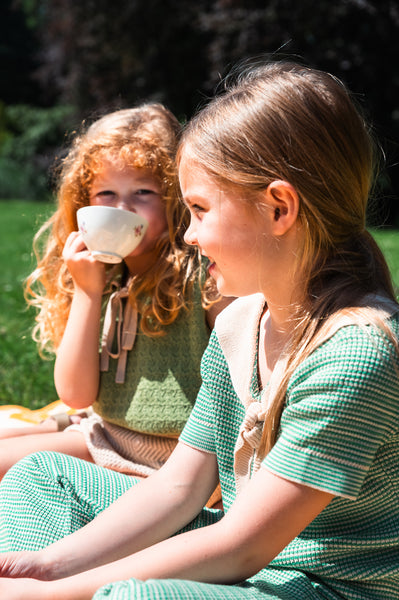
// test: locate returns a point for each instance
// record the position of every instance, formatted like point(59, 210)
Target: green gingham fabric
point(48, 495)
point(339, 432)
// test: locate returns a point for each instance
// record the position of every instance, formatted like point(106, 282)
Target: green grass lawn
point(25, 378)
point(388, 241)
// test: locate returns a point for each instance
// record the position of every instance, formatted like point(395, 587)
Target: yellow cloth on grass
point(19, 416)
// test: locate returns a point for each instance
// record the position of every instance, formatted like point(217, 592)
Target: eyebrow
point(193, 198)
point(145, 182)
point(148, 180)
point(186, 199)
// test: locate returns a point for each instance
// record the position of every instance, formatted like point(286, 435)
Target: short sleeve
point(342, 405)
point(199, 431)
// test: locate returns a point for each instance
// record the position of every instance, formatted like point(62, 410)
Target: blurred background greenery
point(63, 61)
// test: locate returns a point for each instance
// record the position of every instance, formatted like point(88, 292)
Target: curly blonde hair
point(143, 137)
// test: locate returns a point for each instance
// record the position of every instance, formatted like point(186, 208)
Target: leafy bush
point(30, 139)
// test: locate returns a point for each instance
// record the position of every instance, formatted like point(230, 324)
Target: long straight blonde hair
point(283, 120)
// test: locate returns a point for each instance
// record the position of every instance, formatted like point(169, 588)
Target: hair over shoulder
point(285, 121)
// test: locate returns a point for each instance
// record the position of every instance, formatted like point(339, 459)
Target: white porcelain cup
point(110, 233)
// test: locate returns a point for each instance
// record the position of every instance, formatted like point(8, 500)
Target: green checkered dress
point(339, 432)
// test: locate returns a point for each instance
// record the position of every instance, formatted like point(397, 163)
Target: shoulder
point(357, 366)
point(342, 406)
point(364, 344)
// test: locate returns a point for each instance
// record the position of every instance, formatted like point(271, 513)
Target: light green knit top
point(162, 377)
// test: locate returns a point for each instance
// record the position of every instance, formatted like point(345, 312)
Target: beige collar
point(237, 330)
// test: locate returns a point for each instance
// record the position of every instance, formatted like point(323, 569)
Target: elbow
point(244, 557)
point(76, 399)
point(247, 567)
point(75, 404)
point(244, 565)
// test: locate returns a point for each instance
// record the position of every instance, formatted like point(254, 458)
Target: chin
point(226, 290)
point(231, 291)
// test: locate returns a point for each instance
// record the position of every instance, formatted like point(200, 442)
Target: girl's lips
point(211, 264)
point(211, 267)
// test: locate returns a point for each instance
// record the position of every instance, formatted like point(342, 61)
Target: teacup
point(110, 233)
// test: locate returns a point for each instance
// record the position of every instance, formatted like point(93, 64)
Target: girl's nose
point(190, 237)
point(125, 204)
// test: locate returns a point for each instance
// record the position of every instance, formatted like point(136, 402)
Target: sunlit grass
point(388, 241)
point(25, 378)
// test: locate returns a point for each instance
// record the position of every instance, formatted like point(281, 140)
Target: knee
point(29, 468)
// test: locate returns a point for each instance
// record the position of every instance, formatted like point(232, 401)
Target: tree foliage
point(97, 55)
point(17, 56)
point(30, 138)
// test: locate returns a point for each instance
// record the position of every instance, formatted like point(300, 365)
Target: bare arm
point(76, 372)
point(165, 502)
point(149, 512)
point(266, 517)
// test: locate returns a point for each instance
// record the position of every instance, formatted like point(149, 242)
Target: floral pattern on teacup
point(138, 230)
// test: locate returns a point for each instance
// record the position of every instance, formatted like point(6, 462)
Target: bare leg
point(67, 442)
point(49, 425)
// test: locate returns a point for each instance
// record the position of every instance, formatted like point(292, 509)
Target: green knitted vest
point(162, 378)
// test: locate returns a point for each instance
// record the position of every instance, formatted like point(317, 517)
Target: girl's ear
point(282, 198)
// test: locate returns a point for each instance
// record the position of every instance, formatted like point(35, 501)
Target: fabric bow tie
point(126, 323)
point(246, 457)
